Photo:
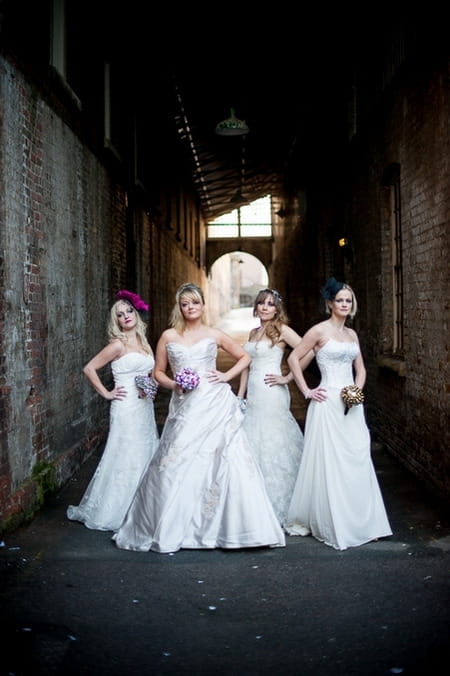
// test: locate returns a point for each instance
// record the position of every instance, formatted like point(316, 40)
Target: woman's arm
point(105, 356)
point(236, 351)
point(161, 363)
point(242, 391)
point(291, 338)
point(308, 343)
point(243, 383)
point(360, 370)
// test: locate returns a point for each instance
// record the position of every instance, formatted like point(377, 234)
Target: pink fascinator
point(135, 300)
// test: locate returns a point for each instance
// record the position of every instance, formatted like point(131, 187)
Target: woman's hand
point(216, 377)
point(272, 379)
point(318, 394)
point(118, 392)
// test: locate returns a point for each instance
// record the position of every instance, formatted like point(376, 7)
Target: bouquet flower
point(148, 385)
point(187, 379)
point(351, 396)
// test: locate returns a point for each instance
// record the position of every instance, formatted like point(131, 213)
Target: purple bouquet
point(187, 379)
point(148, 385)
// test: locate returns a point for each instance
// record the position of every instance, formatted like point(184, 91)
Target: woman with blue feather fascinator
point(336, 497)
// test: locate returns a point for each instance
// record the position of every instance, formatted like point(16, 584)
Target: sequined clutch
point(351, 396)
point(147, 385)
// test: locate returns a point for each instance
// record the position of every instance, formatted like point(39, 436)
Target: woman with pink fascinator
point(133, 435)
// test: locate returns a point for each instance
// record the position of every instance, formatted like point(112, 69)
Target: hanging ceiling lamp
point(239, 199)
point(232, 126)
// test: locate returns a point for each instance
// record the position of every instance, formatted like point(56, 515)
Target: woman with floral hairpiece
point(336, 497)
point(274, 434)
point(203, 489)
point(133, 435)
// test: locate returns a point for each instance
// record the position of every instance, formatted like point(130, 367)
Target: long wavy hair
point(190, 291)
point(115, 332)
point(273, 326)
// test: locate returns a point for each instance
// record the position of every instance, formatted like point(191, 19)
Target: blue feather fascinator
point(331, 288)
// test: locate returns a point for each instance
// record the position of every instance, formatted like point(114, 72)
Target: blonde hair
point(273, 326)
point(114, 331)
point(190, 291)
point(354, 309)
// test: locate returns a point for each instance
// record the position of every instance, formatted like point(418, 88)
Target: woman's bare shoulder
point(318, 330)
point(353, 334)
point(168, 335)
point(289, 336)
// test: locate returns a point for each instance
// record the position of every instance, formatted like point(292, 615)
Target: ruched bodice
point(200, 356)
point(335, 361)
point(203, 488)
point(273, 432)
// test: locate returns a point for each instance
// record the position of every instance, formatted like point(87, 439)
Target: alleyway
point(74, 604)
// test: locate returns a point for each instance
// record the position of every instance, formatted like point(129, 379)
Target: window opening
point(250, 220)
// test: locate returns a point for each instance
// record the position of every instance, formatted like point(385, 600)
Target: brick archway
point(260, 248)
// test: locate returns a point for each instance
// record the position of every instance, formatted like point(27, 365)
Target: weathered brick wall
point(411, 413)
point(55, 220)
point(65, 249)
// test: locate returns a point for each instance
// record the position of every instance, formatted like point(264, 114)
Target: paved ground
point(72, 603)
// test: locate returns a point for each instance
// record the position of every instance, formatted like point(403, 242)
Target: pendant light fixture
point(232, 126)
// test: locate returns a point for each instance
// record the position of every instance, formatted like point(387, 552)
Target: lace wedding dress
point(132, 440)
point(273, 432)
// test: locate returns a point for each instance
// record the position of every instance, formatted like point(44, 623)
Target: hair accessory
point(277, 294)
point(134, 299)
point(331, 288)
point(274, 293)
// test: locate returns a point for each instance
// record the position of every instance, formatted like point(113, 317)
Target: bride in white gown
point(203, 489)
point(273, 432)
point(336, 497)
point(133, 435)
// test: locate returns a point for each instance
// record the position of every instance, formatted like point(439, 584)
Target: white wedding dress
point(132, 440)
point(203, 488)
point(273, 432)
point(337, 498)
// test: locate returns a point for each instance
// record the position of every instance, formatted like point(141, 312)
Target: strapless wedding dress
point(203, 488)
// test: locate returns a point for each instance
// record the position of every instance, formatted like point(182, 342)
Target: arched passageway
point(233, 282)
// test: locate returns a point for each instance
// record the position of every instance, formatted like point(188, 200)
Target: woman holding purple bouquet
point(203, 488)
point(133, 435)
